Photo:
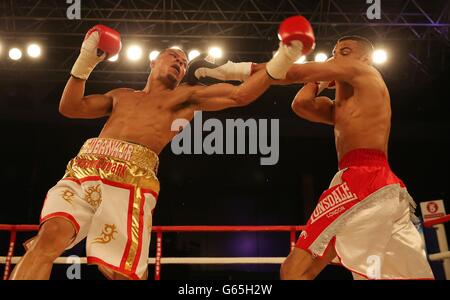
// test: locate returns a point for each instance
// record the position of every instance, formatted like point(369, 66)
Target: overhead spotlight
point(134, 53)
point(379, 56)
point(15, 54)
point(215, 52)
point(320, 57)
point(34, 50)
point(153, 55)
point(176, 47)
point(301, 60)
point(114, 58)
point(193, 54)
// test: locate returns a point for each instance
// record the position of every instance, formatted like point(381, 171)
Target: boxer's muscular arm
point(221, 96)
point(349, 72)
point(74, 104)
point(315, 109)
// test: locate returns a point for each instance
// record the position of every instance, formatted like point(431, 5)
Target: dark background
point(37, 142)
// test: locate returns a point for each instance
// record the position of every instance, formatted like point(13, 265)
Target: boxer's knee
point(299, 265)
point(53, 238)
point(290, 270)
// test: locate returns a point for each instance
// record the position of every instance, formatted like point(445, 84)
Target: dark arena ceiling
point(415, 32)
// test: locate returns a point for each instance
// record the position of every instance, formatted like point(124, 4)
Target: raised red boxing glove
point(297, 28)
point(100, 43)
point(110, 42)
point(297, 39)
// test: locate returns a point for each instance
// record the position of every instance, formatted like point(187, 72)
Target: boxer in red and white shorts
point(365, 216)
point(363, 219)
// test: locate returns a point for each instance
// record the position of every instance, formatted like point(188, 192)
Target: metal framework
point(247, 30)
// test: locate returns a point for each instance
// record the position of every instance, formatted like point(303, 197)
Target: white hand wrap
point(229, 71)
point(88, 59)
point(280, 64)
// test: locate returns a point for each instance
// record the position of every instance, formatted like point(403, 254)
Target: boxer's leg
point(54, 236)
point(65, 220)
point(302, 265)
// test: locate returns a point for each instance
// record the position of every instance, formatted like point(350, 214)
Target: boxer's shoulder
point(187, 90)
point(119, 91)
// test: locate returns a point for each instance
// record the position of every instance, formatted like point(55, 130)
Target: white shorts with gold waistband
point(108, 193)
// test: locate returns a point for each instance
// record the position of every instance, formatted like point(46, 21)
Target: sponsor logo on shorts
point(110, 148)
point(117, 169)
point(303, 235)
point(332, 204)
point(335, 212)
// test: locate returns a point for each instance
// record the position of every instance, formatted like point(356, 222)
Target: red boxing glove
point(109, 42)
point(297, 28)
point(100, 43)
point(297, 39)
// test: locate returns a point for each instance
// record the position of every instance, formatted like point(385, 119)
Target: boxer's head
point(354, 47)
point(170, 66)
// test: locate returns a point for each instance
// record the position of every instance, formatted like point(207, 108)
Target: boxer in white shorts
point(108, 193)
point(365, 220)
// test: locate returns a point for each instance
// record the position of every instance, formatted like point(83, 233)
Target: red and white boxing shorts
point(366, 216)
point(108, 193)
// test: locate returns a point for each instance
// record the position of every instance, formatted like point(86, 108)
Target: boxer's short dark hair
point(365, 43)
point(166, 49)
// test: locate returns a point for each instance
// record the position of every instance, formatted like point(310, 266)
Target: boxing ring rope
point(444, 253)
point(158, 260)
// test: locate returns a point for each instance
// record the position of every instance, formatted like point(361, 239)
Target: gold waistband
point(123, 151)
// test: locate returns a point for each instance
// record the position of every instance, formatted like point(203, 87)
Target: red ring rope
point(158, 230)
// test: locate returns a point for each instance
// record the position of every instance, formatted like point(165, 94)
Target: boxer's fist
point(192, 76)
point(100, 43)
point(200, 70)
point(297, 39)
point(297, 28)
point(322, 85)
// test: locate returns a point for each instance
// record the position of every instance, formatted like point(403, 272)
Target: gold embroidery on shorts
point(68, 195)
point(93, 196)
point(107, 234)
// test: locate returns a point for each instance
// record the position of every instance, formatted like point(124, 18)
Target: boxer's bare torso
point(146, 117)
point(361, 111)
point(362, 114)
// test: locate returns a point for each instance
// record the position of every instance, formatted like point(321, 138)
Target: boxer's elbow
point(67, 110)
point(301, 108)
